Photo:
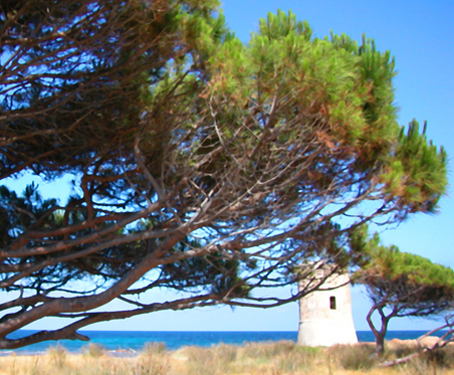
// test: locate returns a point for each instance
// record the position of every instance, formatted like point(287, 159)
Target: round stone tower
point(326, 314)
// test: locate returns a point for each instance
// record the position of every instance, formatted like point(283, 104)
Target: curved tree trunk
point(379, 335)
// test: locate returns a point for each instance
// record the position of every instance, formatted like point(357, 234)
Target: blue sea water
point(114, 340)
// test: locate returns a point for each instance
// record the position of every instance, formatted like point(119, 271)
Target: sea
point(133, 341)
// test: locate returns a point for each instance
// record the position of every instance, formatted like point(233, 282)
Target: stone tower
point(326, 315)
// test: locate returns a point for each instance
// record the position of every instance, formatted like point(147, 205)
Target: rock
point(429, 341)
point(398, 343)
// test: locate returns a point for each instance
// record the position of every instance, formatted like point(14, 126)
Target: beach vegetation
point(265, 359)
point(198, 164)
point(432, 362)
point(94, 350)
point(353, 357)
point(57, 355)
point(153, 348)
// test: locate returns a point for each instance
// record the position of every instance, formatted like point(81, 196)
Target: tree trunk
point(380, 342)
point(379, 335)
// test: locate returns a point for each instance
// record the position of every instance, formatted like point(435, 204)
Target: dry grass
point(276, 358)
point(94, 350)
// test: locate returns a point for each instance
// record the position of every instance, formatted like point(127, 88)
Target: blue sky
point(419, 35)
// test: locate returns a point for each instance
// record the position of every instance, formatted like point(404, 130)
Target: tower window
point(332, 303)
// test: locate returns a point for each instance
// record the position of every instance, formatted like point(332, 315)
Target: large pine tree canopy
point(200, 163)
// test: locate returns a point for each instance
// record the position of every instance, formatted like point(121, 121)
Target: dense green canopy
point(200, 163)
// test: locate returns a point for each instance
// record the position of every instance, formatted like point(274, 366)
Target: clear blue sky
point(420, 36)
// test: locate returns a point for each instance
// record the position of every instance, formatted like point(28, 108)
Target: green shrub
point(401, 351)
point(354, 357)
point(443, 357)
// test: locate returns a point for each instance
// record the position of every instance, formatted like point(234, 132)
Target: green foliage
point(347, 85)
point(388, 263)
point(400, 284)
point(424, 166)
point(200, 163)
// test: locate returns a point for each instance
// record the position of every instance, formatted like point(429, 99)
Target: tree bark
point(379, 335)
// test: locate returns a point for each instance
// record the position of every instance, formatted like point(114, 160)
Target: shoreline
point(131, 353)
point(173, 340)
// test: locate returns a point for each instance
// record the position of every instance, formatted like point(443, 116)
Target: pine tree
point(200, 164)
point(400, 284)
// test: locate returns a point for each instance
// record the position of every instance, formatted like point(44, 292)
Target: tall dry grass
point(274, 358)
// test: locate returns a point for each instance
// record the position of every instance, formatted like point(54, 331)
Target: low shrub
point(268, 349)
point(401, 351)
point(225, 353)
point(354, 357)
point(442, 358)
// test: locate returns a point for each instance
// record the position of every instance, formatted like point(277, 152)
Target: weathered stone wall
point(326, 315)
